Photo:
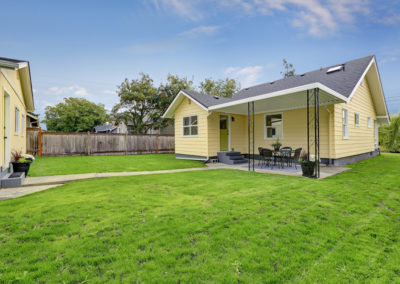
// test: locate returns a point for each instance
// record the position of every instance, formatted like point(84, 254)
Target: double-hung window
point(23, 127)
point(345, 124)
point(273, 127)
point(16, 121)
point(357, 119)
point(190, 125)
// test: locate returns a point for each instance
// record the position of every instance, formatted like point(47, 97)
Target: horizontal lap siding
point(294, 131)
point(361, 138)
point(213, 134)
point(239, 133)
point(198, 145)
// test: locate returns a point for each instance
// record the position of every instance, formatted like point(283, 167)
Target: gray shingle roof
point(104, 128)
point(12, 60)
point(342, 81)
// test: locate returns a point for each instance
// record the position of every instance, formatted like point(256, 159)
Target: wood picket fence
point(42, 143)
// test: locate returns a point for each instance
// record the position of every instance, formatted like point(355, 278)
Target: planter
point(21, 167)
point(308, 169)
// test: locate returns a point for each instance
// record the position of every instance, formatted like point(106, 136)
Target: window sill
point(190, 136)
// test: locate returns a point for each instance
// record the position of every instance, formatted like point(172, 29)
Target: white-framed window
point(357, 119)
point(190, 125)
point(16, 121)
point(369, 122)
point(273, 126)
point(23, 126)
point(345, 124)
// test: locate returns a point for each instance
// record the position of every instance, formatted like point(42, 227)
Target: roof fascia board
point(281, 93)
point(12, 86)
point(181, 93)
point(9, 64)
point(360, 80)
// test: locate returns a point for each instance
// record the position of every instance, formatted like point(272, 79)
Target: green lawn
point(209, 226)
point(49, 166)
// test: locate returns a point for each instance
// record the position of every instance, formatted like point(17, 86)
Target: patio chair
point(286, 154)
point(260, 156)
point(268, 157)
point(296, 156)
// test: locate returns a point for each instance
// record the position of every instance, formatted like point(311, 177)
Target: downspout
point(329, 138)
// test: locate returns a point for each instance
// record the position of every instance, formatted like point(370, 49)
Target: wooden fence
point(43, 143)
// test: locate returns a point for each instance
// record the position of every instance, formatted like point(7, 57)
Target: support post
point(308, 122)
point(40, 142)
point(317, 123)
point(248, 131)
point(126, 143)
point(157, 143)
point(88, 143)
point(253, 132)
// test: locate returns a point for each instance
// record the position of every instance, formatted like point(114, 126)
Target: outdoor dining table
point(278, 155)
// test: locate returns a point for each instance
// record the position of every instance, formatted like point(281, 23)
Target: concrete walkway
point(36, 184)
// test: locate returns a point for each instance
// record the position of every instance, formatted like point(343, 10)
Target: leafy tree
point(389, 135)
point(138, 100)
point(167, 93)
point(288, 69)
point(221, 88)
point(74, 115)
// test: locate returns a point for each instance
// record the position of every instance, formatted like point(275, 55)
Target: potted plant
point(307, 163)
point(21, 162)
point(277, 145)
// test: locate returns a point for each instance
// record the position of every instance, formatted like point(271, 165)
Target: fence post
point(40, 152)
point(88, 143)
point(126, 143)
point(157, 143)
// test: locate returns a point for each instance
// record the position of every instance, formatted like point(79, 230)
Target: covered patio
point(306, 102)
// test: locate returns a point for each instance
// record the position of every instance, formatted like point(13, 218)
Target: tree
point(74, 115)
point(389, 135)
point(167, 93)
point(289, 70)
point(138, 100)
point(221, 88)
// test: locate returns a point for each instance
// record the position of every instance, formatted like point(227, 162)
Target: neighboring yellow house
point(351, 107)
point(15, 102)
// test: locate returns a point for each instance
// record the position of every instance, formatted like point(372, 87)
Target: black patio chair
point(268, 157)
point(286, 155)
point(296, 157)
point(260, 156)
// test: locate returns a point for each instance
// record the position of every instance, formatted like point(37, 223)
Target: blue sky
point(86, 48)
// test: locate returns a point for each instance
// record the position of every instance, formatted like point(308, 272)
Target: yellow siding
point(213, 134)
point(198, 145)
point(17, 141)
point(361, 138)
point(239, 133)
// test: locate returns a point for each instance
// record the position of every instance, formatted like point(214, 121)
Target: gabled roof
point(340, 83)
point(22, 66)
point(104, 128)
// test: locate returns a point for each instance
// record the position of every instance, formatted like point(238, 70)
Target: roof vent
point(246, 89)
point(334, 69)
point(216, 97)
point(272, 82)
point(302, 75)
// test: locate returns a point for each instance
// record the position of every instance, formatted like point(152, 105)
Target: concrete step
point(231, 153)
point(238, 157)
point(12, 180)
point(234, 162)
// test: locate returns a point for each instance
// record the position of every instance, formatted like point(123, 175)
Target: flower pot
point(308, 168)
point(21, 167)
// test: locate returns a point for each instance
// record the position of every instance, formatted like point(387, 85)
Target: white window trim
point(359, 119)
point(17, 121)
point(345, 126)
point(369, 122)
point(183, 126)
point(23, 125)
point(265, 133)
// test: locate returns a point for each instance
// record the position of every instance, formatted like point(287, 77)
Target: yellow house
point(16, 100)
point(333, 112)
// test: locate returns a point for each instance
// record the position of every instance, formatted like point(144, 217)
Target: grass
point(209, 226)
point(50, 166)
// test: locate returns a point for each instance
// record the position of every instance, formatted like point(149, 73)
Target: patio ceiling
point(289, 101)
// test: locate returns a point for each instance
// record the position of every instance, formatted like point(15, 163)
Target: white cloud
point(247, 76)
point(109, 92)
point(184, 8)
point(34, 90)
point(69, 91)
point(201, 30)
